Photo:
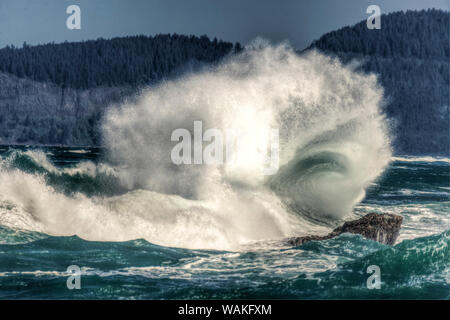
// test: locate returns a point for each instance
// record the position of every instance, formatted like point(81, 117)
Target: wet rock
point(383, 228)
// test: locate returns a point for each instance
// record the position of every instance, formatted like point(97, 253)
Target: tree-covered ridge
point(133, 60)
point(420, 34)
point(410, 54)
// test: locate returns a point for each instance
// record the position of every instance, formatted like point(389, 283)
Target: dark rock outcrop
point(383, 228)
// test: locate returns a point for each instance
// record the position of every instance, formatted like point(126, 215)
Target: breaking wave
point(333, 143)
point(421, 159)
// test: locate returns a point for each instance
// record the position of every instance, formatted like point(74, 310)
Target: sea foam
point(334, 142)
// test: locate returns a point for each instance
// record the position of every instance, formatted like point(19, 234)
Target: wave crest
point(333, 144)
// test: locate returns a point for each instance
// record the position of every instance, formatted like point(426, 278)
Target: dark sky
point(299, 21)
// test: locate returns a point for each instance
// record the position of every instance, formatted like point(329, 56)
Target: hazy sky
point(299, 21)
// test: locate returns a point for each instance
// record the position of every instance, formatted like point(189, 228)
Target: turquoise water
point(35, 252)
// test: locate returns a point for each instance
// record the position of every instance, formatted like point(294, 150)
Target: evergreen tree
point(132, 60)
point(410, 53)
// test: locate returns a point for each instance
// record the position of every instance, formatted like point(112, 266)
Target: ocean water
point(33, 263)
point(138, 225)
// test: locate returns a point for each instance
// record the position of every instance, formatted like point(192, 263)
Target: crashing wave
point(333, 143)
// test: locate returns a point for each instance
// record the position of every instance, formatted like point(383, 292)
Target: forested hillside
point(57, 93)
point(120, 61)
point(410, 53)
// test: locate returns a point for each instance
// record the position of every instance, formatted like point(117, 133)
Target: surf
point(333, 143)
